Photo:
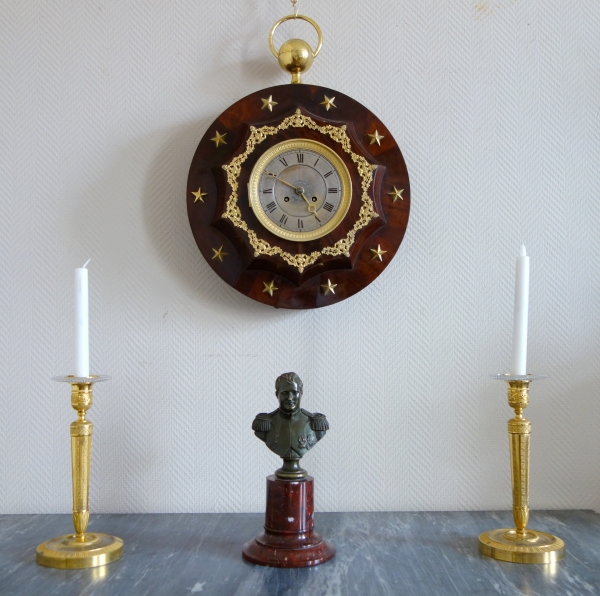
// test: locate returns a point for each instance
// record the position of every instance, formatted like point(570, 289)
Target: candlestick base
point(68, 552)
point(534, 547)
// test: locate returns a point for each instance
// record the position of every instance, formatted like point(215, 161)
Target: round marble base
point(534, 547)
point(271, 551)
point(66, 552)
point(289, 539)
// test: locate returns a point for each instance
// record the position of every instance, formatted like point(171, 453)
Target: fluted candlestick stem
point(82, 549)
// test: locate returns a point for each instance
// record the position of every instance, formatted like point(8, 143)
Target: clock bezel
point(293, 145)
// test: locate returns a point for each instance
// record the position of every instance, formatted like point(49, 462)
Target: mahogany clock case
point(227, 248)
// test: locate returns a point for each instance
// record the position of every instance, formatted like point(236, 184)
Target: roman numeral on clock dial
point(271, 207)
point(328, 206)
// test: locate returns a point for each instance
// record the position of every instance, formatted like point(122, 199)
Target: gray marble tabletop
point(411, 554)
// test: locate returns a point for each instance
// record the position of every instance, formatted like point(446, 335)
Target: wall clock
point(298, 196)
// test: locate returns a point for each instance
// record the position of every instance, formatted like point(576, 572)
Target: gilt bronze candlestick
point(520, 545)
point(82, 549)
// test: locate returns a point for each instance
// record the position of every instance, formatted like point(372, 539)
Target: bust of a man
point(290, 431)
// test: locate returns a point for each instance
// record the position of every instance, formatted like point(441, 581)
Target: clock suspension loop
point(295, 55)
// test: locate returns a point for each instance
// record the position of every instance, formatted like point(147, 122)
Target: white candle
point(82, 323)
point(519, 352)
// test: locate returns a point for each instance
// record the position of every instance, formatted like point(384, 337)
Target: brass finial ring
point(293, 16)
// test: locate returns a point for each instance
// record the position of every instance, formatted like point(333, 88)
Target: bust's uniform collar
point(292, 416)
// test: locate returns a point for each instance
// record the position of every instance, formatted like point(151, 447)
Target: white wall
point(496, 107)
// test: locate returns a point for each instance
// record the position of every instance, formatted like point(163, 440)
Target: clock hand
point(271, 175)
point(312, 208)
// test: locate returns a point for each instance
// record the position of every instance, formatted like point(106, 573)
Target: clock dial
point(300, 190)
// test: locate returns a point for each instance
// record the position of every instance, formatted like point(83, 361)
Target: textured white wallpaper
point(496, 107)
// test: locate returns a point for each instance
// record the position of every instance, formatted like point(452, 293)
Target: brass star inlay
point(375, 138)
point(268, 103)
point(219, 138)
point(219, 254)
point(270, 287)
point(328, 103)
point(377, 254)
point(396, 194)
point(199, 195)
point(328, 287)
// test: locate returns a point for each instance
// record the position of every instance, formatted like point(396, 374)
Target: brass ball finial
point(295, 55)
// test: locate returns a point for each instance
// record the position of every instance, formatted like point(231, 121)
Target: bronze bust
point(290, 431)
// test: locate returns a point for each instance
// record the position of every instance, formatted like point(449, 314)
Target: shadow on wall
point(164, 213)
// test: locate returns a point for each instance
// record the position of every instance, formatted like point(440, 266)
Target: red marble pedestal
point(289, 539)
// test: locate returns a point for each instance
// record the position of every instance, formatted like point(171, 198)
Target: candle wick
point(522, 254)
point(86, 263)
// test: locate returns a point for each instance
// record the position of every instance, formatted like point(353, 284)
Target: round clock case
point(306, 251)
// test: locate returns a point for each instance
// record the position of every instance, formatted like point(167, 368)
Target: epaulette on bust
point(318, 422)
point(262, 423)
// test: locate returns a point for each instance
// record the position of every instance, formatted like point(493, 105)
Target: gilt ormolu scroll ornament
point(289, 539)
point(290, 431)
